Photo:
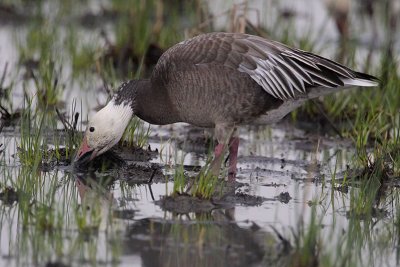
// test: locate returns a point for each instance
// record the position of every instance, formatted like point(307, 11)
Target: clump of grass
point(30, 150)
point(203, 186)
point(312, 244)
point(136, 134)
point(47, 85)
point(380, 165)
point(180, 180)
point(37, 129)
point(206, 183)
point(377, 139)
point(83, 55)
point(365, 201)
point(382, 162)
point(72, 134)
point(39, 44)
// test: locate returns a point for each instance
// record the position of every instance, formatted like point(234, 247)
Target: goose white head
point(104, 130)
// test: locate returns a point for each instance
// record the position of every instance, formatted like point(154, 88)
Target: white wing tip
point(360, 82)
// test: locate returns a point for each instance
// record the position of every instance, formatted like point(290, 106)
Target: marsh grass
point(136, 134)
point(83, 55)
point(206, 184)
point(180, 179)
point(30, 147)
point(37, 128)
point(313, 243)
point(376, 131)
point(48, 90)
point(68, 139)
point(53, 225)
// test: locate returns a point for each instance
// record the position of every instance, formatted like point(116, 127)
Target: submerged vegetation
point(68, 59)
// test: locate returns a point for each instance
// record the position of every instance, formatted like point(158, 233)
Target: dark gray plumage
point(222, 80)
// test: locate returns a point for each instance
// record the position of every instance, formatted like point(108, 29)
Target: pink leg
point(233, 154)
point(218, 150)
point(218, 156)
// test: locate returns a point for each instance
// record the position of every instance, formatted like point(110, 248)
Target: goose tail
point(361, 79)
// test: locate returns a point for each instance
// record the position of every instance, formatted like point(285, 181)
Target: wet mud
point(8, 195)
point(186, 203)
point(137, 173)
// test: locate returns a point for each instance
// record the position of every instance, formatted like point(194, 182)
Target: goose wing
point(281, 71)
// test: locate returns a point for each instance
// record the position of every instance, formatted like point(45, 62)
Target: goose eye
point(91, 129)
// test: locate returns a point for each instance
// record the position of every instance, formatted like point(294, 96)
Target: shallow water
point(111, 217)
point(134, 230)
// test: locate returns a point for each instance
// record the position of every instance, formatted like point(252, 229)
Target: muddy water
point(284, 176)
